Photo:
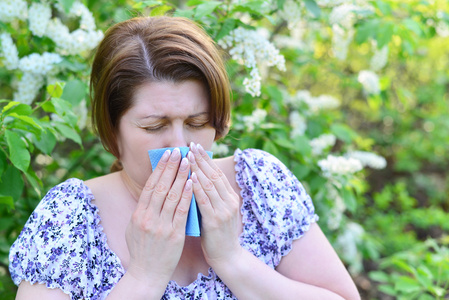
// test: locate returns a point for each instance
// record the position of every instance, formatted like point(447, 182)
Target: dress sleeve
point(275, 203)
point(52, 247)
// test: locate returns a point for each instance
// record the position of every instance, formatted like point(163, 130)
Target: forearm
point(133, 288)
point(249, 278)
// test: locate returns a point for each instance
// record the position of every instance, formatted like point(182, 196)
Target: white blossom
point(252, 84)
point(250, 48)
point(81, 112)
point(343, 15)
point(13, 9)
point(220, 149)
point(323, 102)
point(39, 15)
point(339, 165)
point(322, 142)
point(291, 12)
point(442, 29)
point(347, 244)
point(370, 82)
point(72, 43)
point(39, 64)
point(315, 104)
point(379, 59)
point(87, 21)
point(298, 123)
point(28, 87)
point(368, 159)
point(255, 119)
point(336, 213)
point(9, 52)
point(301, 96)
point(341, 39)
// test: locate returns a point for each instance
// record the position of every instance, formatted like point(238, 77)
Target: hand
point(156, 232)
point(219, 207)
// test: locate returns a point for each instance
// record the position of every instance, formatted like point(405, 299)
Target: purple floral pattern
point(63, 244)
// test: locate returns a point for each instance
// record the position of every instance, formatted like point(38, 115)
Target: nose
point(179, 137)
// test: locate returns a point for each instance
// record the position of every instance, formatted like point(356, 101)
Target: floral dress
point(63, 244)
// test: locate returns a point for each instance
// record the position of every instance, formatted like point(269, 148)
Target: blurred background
point(351, 95)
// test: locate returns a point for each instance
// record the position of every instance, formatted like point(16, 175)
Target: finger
point(165, 182)
point(182, 210)
point(201, 197)
point(211, 170)
point(175, 193)
point(150, 185)
point(209, 188)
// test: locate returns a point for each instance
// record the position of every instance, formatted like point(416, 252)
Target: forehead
point(166, 98)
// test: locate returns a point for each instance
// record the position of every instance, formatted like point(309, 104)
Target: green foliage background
point(402, 249)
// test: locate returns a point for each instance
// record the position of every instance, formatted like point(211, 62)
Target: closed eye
point(197, 125)
point(153, 129)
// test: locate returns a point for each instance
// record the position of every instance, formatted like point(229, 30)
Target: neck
point(133, 188)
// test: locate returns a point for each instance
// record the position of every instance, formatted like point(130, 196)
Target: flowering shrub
point(350, 95)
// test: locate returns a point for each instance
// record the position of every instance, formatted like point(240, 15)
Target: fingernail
point(201, 148)
point(188, 185)
point(194, 177)
point(184, 164)
point(166, 155)
point(176, 154)
point(191, 158)
point(193, 147)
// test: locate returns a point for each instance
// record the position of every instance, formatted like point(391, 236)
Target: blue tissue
point(193, 226)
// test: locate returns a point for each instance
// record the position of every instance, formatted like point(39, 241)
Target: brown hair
point(149, 49)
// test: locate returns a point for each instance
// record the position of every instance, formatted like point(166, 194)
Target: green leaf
point(301, 171)
point(366, 30)
point(143, 4)
point(18, 152)
point(66, 5)
point(349, 199)
point(27, 120)
point(413, 26)
point(7, 200)
point(379, 276)
point(226, 28)
point(64, 110)
point(387, 289)
point(313, 8)
point(269, 147)
point(206, 8)
point(46, 143)
point(55, 90)
point(302, 145)
point(185, 13)
point(194, 2)
point(384, 7)
point(160, 10)
point(69, 133)
point(11, 183)
point(343, 132)
point(3, 162)
point(407, 284)
point(285, 143)
point(255, 6)
point(74, 91)
point(280, 3)
point(384, 34)
point(35, 182)
point(18, 108)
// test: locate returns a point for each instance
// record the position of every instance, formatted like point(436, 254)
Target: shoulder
point(51, 245)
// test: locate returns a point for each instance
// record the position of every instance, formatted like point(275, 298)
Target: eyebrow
point(165, 117)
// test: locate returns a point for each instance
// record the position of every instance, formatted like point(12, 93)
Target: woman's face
point(163, 114)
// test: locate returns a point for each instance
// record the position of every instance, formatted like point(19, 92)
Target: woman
point(156, 83)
